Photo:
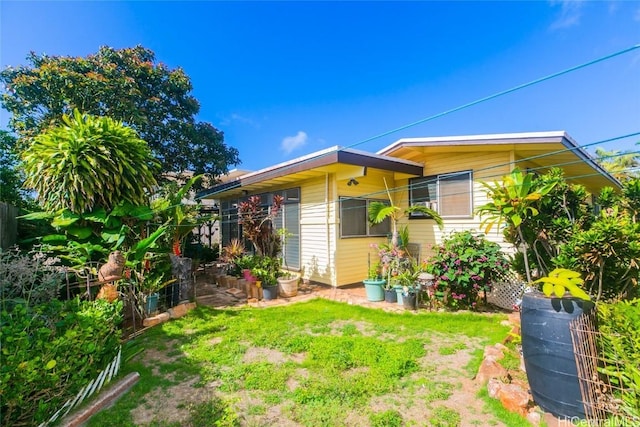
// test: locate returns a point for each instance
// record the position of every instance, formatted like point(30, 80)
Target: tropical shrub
point(89, 162)
point(514, 203)
point(619, 343)
point(607, 253)
point(464, 265)
point(51, 351)
point(257, 225)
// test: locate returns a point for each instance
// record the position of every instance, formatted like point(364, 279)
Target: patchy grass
point(317, 363)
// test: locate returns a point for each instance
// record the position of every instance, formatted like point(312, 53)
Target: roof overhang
point(542, 149)
point(343, 162)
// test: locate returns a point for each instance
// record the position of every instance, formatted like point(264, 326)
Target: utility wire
point(499, 94)
point(479, 101)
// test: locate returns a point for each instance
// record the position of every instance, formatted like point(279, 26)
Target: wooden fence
point(8, 225)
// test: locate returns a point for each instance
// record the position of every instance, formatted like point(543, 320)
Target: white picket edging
point(94, 386)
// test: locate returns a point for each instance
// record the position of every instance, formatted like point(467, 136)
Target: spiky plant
point(87, 162)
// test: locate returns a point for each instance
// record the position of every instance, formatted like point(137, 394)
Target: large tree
point(127, 85)
point(11, 177)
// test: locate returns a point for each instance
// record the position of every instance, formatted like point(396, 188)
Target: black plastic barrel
point(548, 352)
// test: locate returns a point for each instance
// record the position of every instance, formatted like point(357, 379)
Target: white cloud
point(570, 13)
point(291, 143)
point(237, 118)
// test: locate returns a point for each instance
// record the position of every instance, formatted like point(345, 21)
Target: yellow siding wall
point(327, 258)
point(317, 230)
point(352, 253)
point(486, 167)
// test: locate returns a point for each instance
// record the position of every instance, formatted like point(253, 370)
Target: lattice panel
point(507, 295)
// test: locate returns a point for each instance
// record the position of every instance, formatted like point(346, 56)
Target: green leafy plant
point(608, 253)
point(379, 211)
point(619, 343)
point(513, 201)
point(464, 265)
point(560, 281)
point(181, 217)
point(87, 162)
point(50, 352)
point(267, 270)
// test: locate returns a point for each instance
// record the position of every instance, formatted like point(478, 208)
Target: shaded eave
point(332, 160)
point(543, 149)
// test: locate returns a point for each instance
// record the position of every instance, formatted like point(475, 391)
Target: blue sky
point(283, 79)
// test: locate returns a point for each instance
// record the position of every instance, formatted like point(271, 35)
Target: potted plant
point(287, 281)
point(267, 271)
point(407, 290)
point(390, 294)
point(374, 284)
point(546, 341)
point(288, 284)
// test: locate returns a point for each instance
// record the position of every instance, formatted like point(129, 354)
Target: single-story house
point(326, 193)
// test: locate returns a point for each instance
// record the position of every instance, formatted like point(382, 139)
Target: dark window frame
point(435, 183)
point(384, 227)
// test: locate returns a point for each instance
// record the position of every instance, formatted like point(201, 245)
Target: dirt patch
point(171, 404)
point(260, 354)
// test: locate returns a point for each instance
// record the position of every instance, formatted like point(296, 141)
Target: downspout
point(326, 218)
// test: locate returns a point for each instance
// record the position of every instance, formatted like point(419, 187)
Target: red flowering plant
point(257, 224)
point(465, 265)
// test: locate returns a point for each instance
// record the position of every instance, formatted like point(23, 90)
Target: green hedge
point(49, 352)
point(619, 326)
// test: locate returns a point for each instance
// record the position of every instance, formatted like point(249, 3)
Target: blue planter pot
point(398, 290)
point(151, 304)
point(390, 295)
point(374, 289)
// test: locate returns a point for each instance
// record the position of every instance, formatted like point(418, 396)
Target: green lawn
point(318, 363)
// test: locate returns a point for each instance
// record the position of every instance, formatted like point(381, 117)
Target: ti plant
point(562, 280)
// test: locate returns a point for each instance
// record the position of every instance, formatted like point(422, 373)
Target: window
point(288, 218)
point(448, 194)
point(354, 219)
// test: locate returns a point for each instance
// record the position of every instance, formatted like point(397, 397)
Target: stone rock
point(514, 318)
point(489, 368)
point(493, 387)
point(155, 320)
point(178, 311)
point(514, 399)
point(236, 293)
point(534, 417)
point(493, 352)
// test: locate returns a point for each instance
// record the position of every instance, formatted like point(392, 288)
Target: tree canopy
point(10, 176)
point(622, 165)
point(126, 85)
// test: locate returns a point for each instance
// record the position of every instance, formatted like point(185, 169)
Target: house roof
point(331, 160)
point(543, 149)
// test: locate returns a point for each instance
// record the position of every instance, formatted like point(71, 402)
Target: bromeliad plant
point(464, 265)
